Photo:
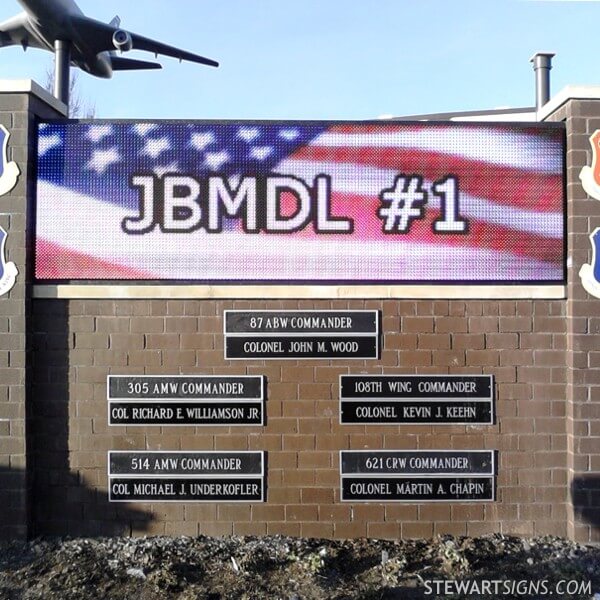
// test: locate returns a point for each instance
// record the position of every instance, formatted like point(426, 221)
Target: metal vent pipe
point(542, 63)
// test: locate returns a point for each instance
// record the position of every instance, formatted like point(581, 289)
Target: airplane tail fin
point(130, 64)
point(116, 22)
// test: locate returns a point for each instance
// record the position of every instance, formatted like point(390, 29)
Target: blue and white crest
point(590, 273)
point(590, 180)
point(8, 270)
point(9, 171)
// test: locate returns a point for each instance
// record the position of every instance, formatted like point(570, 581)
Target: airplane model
point(93, 46)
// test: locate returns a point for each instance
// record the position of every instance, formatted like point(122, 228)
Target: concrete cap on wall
point(28, 86)
point(570, 92)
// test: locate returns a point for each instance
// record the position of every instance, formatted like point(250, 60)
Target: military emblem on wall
point(590, 180)
point(9, 175)
point(9, 171)
point(8, 270)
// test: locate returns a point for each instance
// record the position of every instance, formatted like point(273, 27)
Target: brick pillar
point(21, 102)
point(579, 108)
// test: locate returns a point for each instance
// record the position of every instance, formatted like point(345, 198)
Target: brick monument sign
point(314, 329)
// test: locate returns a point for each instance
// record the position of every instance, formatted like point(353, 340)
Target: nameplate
point(299, 335)
point(416, 399)
point(157, 476)
point(143, 400)
point(417, 476)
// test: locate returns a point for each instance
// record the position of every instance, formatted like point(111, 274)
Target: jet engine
point(122, 40)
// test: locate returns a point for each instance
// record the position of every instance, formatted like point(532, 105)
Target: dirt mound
point(275, 567)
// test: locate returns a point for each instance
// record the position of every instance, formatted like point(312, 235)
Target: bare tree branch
point(79, 108)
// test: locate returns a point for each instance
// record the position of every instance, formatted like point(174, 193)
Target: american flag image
point(510, 194)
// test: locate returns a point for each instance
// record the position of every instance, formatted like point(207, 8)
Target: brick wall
point(78, 343)
point(17, 113)
point(582, 118)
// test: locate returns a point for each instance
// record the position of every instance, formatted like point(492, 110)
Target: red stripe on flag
point(481, 234)
point(502, 184)
point(56, 262)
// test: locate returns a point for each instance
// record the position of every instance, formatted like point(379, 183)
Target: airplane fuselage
point(50, 9)
point(95, 47)
point(99, 65)
point(51, 18)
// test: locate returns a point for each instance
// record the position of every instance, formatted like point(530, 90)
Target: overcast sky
point(334, 59)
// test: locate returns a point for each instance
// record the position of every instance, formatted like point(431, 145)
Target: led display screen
point(299, 202)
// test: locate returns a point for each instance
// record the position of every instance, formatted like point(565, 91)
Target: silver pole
point(62, 67)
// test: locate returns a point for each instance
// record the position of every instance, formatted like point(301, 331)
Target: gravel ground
point(276, 567)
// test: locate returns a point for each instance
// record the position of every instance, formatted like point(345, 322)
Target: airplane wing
point(142, 43)
point(99, 36)
point(14, 32)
